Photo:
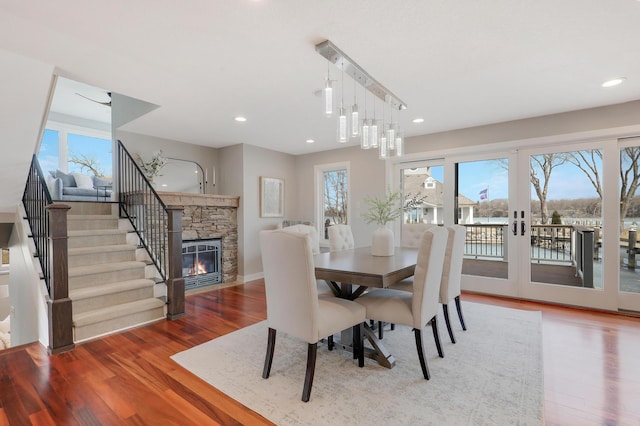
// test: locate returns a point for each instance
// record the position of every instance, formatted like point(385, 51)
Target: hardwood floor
point(591, 363)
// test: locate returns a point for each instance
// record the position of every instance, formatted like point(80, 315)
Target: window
point(332, 201)
point(75, 149)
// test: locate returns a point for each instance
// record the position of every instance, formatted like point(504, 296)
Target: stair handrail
point(141, 204)
point(48, 224)
point(36, 198)
point(158, 226)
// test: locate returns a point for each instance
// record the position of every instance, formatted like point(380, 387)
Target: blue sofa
point(76, 187)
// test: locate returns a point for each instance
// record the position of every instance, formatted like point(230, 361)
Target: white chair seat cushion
point(388, 305)
point(404, 285)
point(335, 315)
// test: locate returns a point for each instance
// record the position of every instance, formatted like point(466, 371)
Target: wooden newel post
point(175, 281)
point(58, 304)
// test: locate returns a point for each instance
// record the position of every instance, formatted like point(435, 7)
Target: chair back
point(310, 231)
point(428, 274)
point(290, 283)
point(340, 238)
point(412, 233)
point(452, 271)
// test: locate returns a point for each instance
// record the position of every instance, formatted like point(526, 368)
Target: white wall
point(367, 178)
point(29, 321)
point(258, 162)
point(612, 116)
point(24, 87)
point(145, 145)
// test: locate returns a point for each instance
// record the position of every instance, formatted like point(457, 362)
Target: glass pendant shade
point(399, 145)
point(391, 137)
point(328, 98)
point(384, 153)
point(373, 133)
point(342, 126)
point(364, 140)
point(355, 121)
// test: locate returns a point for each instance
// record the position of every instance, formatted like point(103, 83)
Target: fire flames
point(198, 268)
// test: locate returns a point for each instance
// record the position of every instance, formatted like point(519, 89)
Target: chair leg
point(393, 327)
point(271, 344)
point(312, 350)
point(380, 330)
point(436, 336)
point(358, 343)
point(420, 347)
point(330, 342)
point(445, 310)
point(459, 308)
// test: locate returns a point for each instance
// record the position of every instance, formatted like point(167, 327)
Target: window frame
point(318, 172)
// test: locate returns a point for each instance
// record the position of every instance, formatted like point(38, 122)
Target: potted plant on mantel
point(382, 209)
point(152, 168)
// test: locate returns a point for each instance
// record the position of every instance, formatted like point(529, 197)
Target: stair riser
point(97, 240)
point(100, 258)
point(78, 207)
point(122, 322)
point(87, 224)
point(90, 280)
point(86, 305)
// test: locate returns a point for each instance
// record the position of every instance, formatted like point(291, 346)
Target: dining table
point(349, 273)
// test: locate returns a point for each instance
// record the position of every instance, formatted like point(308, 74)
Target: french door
point(556, 224)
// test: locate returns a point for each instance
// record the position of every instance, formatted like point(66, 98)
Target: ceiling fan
point(97, 101)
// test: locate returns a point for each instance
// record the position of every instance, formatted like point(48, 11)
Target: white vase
point(382, 242)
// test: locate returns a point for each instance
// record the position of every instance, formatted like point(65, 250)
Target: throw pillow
point(83, 181)
point(67, 179)
point(101, 183)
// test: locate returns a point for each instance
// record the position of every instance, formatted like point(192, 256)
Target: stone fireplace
point(210, 217)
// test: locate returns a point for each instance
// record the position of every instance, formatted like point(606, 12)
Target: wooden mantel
point(205, 200)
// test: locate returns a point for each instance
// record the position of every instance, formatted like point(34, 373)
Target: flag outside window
point(484, 194)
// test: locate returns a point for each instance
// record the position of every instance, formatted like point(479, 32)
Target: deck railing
point(549, 243)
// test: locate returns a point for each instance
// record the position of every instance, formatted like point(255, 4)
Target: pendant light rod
point(337, 57)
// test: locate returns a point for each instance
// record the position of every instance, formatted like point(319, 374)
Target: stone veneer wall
point(210, 216)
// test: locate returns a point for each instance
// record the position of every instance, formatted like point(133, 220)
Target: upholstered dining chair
point(323, 288)
point(340, 237)
point(293, 306)
point(412, 233)
point(419, 308)
point(451, 276)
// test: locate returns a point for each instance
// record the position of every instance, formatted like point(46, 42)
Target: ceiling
point(456, 64)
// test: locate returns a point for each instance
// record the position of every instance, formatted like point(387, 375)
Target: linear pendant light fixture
point(347, 65)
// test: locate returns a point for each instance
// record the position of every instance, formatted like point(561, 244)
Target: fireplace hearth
point(201, 262)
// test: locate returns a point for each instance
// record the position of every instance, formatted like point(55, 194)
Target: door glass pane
point(629, 219)
point(422, 194)
point(335, 198)
point(483, 208)
point(566, 218)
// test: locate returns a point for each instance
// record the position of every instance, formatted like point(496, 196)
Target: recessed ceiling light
point(241, 119)
point(614, 82)
point(418, 120)
point(164, 185)
point(309, 141)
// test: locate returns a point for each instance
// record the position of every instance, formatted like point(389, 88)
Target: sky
point(98, 149)
point(566, 182)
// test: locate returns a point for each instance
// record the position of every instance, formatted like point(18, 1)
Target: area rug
point(493, 375)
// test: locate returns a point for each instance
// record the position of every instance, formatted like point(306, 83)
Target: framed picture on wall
point(271, 197)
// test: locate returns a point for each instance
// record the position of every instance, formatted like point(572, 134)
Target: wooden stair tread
point(101, 249)
point(105, 267)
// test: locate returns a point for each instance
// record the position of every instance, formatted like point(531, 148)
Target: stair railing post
point(59, 309)
point(175, 281)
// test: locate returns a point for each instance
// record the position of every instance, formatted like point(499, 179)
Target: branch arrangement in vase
point(382, 209)
point(152, 168)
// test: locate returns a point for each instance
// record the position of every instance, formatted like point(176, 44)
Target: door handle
point(523, 227)
point(515, 222)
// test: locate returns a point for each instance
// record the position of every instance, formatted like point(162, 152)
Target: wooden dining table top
point(358, 266)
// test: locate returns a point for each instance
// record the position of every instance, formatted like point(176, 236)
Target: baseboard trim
point(252, 277)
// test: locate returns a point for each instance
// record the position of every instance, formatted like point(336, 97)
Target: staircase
point(112, 284)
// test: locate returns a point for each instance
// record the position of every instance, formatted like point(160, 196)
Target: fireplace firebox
point(201, 262)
